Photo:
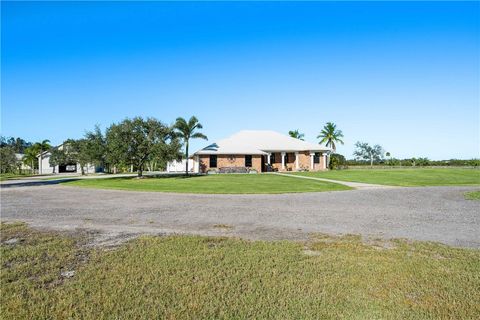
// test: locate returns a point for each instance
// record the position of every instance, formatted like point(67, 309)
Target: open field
point(220, 184)
point(404, 177)
point(204, 277)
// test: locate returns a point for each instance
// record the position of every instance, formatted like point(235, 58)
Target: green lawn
point(473, 195)
point(193, 277)
point(8, 176)
point(404, 177)
point(221, 183)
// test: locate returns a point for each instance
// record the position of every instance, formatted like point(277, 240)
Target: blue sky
point(403, 75)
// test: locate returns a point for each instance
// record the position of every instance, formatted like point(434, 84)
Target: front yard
point(404, 177)
point(221, 184)
point(59, 276)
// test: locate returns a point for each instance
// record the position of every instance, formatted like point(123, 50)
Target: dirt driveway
point(429, 213)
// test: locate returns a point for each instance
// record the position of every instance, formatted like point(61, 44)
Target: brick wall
point(304, 160)
point(230, 161)
point(239, 161)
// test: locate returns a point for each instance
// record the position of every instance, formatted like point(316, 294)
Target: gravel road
point(427, 213)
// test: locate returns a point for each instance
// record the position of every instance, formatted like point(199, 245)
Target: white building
point(179, 166)
point(44, 166)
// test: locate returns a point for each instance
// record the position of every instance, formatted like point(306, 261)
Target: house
point(44, 166)
point(261, 151)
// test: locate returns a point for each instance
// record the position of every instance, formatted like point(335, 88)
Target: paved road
point(431, 213)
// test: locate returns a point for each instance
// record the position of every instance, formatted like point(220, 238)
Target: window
point(272, 158)
point(213, 161)
point(316, 157)
point(248, 161)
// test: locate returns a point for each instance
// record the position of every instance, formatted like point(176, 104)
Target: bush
point(337, 161)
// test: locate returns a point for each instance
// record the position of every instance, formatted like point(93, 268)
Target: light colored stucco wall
point(179, 166)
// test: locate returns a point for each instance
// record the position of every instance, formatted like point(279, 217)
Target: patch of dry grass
point(203, 277)
point(222, 226)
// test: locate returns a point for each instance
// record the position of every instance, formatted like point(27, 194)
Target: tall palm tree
point(186, 131)
point(330, 135)
point(296, 134)
point(42, 147)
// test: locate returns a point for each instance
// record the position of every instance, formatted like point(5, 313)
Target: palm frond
point(199, 135)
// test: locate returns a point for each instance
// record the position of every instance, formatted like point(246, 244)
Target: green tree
point(296, 134)
point(366, 152)
point(58, 157)
point(42, 147)
point(186, 131)
point(95, 147)
point(8, 160)
point(18, 144)
point(330, 136)
point(30, 158)
point(76, 151)
point(135, 141)
point(337, 161)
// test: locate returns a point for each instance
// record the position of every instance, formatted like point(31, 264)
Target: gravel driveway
point(428, 213)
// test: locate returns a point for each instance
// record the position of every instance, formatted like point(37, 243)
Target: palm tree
point(330, 135)
point(296, 134)
point(30, 157)
point(186, 131)
point(42, 147)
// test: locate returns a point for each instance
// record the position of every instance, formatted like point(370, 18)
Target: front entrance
point(264, 163)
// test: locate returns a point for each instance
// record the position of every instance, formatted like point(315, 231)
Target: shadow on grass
point(66, 180)
point(36, 183)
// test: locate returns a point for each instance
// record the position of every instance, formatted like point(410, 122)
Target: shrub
point(337, 161)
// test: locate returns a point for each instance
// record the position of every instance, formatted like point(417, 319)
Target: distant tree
point(42, 147)
point(8, 160)
point(296, 134)
point(365, 151)
point(423, 162)
point(186, 131)
point(18, 144)
point(330, 136)
point(135, 141)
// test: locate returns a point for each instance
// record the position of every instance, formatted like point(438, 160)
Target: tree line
point(366, 154)
point(137, 143)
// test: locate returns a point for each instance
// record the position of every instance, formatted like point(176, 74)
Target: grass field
point(474, 195)
point(223, 184)
point(404, 177)
point(192, 277)
point(8, 176)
